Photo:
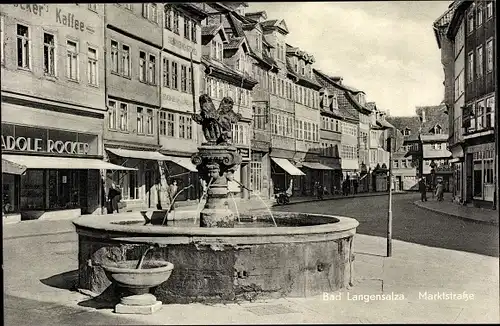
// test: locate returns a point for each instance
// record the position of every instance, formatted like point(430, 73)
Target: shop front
point(11, 179)
point(284, 173)
point(379, 178)
point(62, 171)
point(318, 174)
point(481, 161)
point(332, 178)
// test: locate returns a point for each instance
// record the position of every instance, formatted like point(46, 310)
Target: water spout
point(204, 195)
point(173, 202)
point(258, 196)
point(235, 207)
point(141, 261)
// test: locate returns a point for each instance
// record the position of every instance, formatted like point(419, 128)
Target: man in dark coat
point(422, 187)
point(114, 196)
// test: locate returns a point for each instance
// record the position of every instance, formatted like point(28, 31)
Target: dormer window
point(258, 42)
point(302, 68)
point(407, 132)
point(335, 103)
point(240, 62)
point(438, 130)
point(216, 50)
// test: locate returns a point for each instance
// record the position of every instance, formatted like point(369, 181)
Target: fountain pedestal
point(216, 165)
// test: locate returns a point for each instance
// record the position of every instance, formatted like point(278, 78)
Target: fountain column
point(217, 160)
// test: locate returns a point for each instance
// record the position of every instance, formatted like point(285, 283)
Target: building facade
point(470, 26)
point(53, 107)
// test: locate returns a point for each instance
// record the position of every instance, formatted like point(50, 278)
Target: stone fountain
point(224, 260)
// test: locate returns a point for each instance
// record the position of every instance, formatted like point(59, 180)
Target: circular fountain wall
point(307, 254)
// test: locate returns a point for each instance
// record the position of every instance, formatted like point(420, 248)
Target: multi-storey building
point(330, 138)
point(53, 107)
point(180, 87)
point(379, 157)
point(405, 160)
point(466, 33)
point(225, 58)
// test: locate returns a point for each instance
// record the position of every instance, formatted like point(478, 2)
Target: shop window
point(63, 189)
point(478, 179)
point(23, 47)
point(49, 61)
point(33, 190)
point(10, 187)
point(72, 68)
point(127, 183)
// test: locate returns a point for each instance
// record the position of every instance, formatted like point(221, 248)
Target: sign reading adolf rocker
point(31, 139)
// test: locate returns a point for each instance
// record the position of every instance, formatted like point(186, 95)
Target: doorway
point(149, 184)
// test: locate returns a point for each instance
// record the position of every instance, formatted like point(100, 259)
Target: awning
point(316, 166)
point(66, 163)
point(185, 162)
point(12, 168)
point(436, 153)
point(287, 166)
point(143, 155)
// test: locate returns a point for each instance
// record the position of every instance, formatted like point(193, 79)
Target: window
point(437, 129)
point(187, 32)
point(150, 12)
point(404, 164)
point(489, 9)
point(185, 127)
point(123, 117)
point(149, 122)
point(140, 120)
point(2, 28)
point(175, 72)
point(92, 69)
point(168, 17)
point(480, 115)
point(111, 115)
point(459, 40)
point(166, 72)
point(93, 7)
point(479, 16)
point(395, 164)
point(126, 63)
point(128, 183)
point(490, 112)
point(190, 81)
point(176, 22)
point(167, 124)
point(470, 22)
point(152, 69)
point(23, 47)
point(49, 62)
point(142, 66)
point(114, 56)
point(479, 62)
point(193, 31)
point(72, 60)
point(459, 85)
point(183, 78)
point(489, 55)
point(470, 67)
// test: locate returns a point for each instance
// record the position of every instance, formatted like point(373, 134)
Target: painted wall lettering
point(68, 19)
point(34, 9)
point(181, 45)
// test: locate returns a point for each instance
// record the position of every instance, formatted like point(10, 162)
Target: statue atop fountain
point(217, 159)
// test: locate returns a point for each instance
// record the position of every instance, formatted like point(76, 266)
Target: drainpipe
point(104, 175)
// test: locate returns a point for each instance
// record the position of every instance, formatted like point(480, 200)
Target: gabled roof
point(221, 69)
point(434, 115)
point(235, 44)
point(275, 23)
point(212, 30)
point(401, 123)
point(253, 15)
point(266, 42)
point(302, 80)
point(236, 24)
point(371, 106)
point(356, 104)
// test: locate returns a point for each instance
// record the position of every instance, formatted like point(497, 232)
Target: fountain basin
point(306, 255)
point(152, 273)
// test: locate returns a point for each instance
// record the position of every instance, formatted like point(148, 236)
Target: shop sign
point(32, 139)
point(245, 153)
point(65, 18)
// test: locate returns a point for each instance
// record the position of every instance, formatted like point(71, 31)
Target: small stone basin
point(152, 273)
point(138, 283)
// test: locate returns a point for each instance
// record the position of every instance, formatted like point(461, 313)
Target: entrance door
point(148, 184)
point(469, 168)
point(399, 183)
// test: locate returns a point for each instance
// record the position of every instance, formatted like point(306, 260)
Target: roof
point(429, 138)
point(412, 123)
point(269, 23)
point(356, 104)
point(236, 24)
point(306, 79)
point(434, 115)
point(371, 106)
point(235, 43)
point(266, 42)
point(248, 81)
point(212, 30)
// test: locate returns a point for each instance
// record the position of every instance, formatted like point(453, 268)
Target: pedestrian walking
point(439, 190)
point(114, 197)
point(422, 187)
point(355, 185)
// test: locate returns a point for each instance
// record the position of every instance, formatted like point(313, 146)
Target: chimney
point(423, 115)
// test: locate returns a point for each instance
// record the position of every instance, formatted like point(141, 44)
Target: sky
point(385, 48)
